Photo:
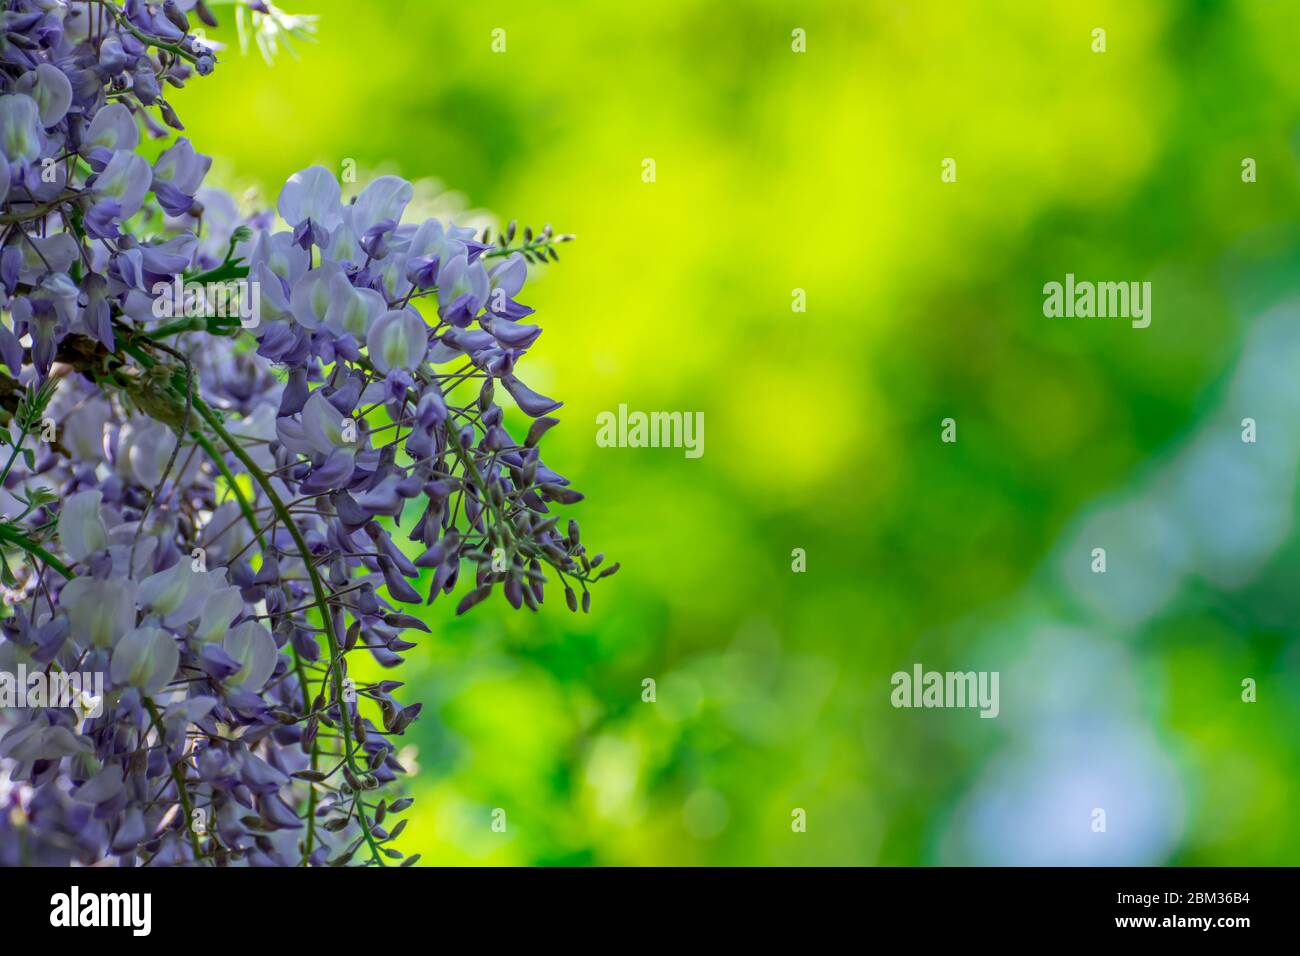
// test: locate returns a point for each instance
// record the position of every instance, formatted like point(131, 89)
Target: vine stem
point(39, 210)
point(13, 456)
point(246, 508)
point(14, 536)
point(116, 13)
point(186, 805)
point(318, 590)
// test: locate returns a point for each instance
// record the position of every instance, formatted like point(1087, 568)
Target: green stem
point(13, 456)
point(14, 536)
point(181, 325)
point(246, 508)
point(179, 778)
point(38, 211)
point(230, 269)
point(318, 591)
point(116, 13)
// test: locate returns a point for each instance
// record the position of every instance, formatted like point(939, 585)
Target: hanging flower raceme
point(233, 456)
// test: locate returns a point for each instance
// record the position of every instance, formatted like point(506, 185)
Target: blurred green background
point(820, 171)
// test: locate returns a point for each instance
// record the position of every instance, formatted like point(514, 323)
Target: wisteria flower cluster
point(234, 456)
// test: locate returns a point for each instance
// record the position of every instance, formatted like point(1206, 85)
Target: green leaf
point(31, 407)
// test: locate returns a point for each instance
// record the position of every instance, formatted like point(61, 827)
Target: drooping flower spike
point(232, 453)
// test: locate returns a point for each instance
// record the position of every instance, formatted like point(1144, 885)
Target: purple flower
point(530, 402)
point(217, 471)
point(125, 180)
point(177, 176)
point(50, 88)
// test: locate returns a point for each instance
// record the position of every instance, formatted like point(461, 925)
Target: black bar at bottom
point(1222, 905)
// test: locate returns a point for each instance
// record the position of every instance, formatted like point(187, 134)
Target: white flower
point(398, 339)
point(251, 645)
point(146, 658)
point(311, 193)
point(81, 527)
